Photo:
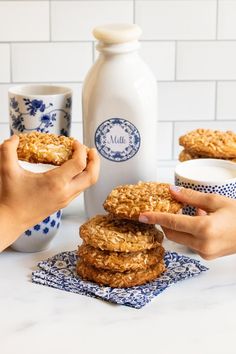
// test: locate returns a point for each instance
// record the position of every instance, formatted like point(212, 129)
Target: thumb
point(204, 201)
point(8, 152)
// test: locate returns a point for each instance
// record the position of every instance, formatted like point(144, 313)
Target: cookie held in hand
point(129, 200)
point(45, 148)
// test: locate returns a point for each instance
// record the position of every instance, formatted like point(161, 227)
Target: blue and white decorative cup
point(207, 176)
point(42, 108)
point(38, 237)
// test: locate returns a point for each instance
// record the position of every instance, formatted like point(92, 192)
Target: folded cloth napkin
point(60, 272)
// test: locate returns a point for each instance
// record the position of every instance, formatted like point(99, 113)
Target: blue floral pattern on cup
point(47, 116)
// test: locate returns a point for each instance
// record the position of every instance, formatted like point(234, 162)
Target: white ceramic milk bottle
point(119, 113)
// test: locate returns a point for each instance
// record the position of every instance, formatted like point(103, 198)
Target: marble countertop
point(194, 316)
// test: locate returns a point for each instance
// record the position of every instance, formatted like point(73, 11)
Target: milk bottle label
point(117, 139)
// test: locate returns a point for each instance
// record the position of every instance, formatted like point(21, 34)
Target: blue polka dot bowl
point(206, 176)
point(38, 237)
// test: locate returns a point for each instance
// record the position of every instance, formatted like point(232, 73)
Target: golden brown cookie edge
point(117, 279)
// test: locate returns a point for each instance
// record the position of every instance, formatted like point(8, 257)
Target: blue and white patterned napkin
point(60, 272)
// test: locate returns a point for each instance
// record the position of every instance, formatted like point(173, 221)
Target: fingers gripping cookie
point(128, 201)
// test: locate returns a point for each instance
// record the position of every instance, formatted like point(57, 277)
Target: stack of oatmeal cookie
point(206, 143)
point(119, 251)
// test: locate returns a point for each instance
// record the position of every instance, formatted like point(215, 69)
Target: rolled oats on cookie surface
point(210, 143)
point(107, 233)
point(128, 201)
point(120, 261)
point(118, 250)
point(186, 156)
point(119, 279)
point(44, 148)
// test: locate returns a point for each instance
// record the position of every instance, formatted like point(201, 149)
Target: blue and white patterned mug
point(42, 108)
point(207, 176)
point(38, 237)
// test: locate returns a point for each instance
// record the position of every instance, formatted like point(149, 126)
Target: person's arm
point(212, 233)
point(9, 230)
point(27, 198)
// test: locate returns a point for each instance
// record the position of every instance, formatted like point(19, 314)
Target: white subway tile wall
point(82, 15)
point(189, 100)
point(206, 60)
point(226, 20)
point(5, 60)
point(24, 21)
point(50, 61)
point(190, 45)
point(176, 19)
point(160, 56)
point(226, 100)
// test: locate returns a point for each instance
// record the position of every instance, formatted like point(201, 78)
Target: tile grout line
point(176, 45)
point(216, 99)
point(11, 66)
point(190, 81)
point(173, 140)
point(50, 21)
point(217, 19)
point(107, 0)
point(158, 81)
point(42, 82)
point(217, 34)
point(134, 13)
point(47, 41)
point(168, 40)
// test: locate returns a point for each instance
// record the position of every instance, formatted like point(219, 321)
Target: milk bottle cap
point(117, 33)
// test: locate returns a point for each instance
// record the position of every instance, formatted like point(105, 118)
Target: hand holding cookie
point(211, 233)
point(28, 198)
point(128, 201)
point(118, 250)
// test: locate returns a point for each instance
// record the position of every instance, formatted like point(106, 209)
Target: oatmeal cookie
point(185, 155)
point(210, 143)
point(44, 148)
point(128, 201)
point(108, 233)
point(120, 261)
point(118, 279)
